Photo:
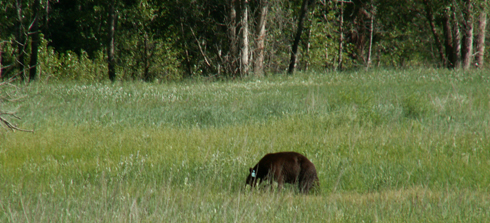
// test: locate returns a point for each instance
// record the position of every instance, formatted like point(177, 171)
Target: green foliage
point(172, 40)
point(281, 25)
point(70, 66)
point(8, 57)
point(403, 36)
point(77, 25)
point(147, 51)
point(324, 43)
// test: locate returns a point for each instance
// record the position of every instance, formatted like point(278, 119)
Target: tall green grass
point(389, 146)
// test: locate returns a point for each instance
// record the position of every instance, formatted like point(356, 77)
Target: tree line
point(173, 39)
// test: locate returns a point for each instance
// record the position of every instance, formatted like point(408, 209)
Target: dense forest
point(167, 40)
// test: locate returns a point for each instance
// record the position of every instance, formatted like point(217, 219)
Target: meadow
point(388, 145)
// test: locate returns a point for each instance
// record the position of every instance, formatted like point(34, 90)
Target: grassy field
point(389, 146)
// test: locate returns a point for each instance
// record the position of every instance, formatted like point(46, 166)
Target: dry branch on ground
point(5, 122)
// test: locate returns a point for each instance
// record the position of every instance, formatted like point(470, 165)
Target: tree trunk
point(371, 33)
point(480, 38)
point(468, 37)
point(341, 32)
point(35, 42)
point(146, 60)
point(187, 58)
point(21, 40)
point(261, 34)
point(1, 62)
point(297, 38)
point(430, 19)
point(233, 40)
point(111, 43)
point(448, 40)
point(307, 51)
point(45, 26)
point(456, 38)
point(245, 44)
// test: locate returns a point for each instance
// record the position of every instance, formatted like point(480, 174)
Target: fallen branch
point(10, 125)
point(6, 123)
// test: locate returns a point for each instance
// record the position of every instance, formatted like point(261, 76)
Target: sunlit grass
point(389, 146)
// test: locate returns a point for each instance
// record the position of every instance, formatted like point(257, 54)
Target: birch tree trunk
point(233, 40)
point(307, 51)
point(456, 38)
point(245, 44)
point(371, 33)
point(341, 32)
point(261, 34)
point(468, 37)
point(480, 38)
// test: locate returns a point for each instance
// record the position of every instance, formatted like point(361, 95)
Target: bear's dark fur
point(284, 167)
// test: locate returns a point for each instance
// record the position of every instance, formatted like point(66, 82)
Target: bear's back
point(284, 157)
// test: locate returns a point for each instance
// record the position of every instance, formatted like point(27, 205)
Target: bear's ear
point(251, 169)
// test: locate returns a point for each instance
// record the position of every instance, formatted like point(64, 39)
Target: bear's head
point(252, 177)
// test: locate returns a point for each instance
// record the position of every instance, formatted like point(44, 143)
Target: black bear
point(285, 167)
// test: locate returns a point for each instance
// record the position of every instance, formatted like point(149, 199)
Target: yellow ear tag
point(253, 174)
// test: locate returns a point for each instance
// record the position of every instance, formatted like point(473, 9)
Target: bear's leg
point(301, 185)
point(260, 182)
point(270, 181)
point(305, 184)
point(305, 188)
point(280, 182)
